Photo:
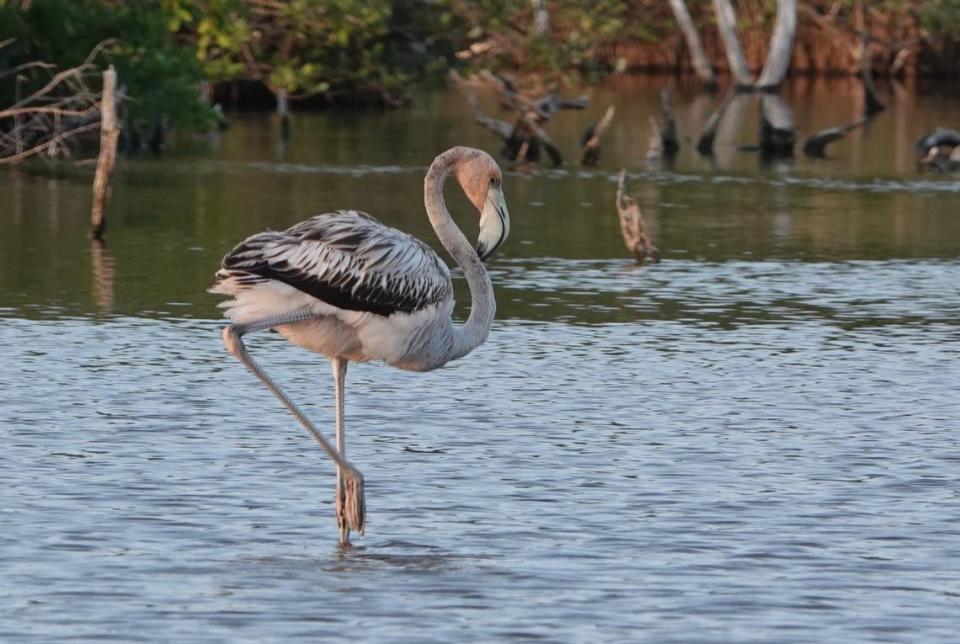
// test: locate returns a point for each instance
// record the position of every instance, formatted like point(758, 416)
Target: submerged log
point(940, 149)
point(529, 130)
point(709, 133)
point(109, 135)
point(590, 142)
point(777, 134)
point(941, 137)
point(781, 47)
point(552, 103)
point(727, 25)
point(698, 56)
point(816, 145)
point(632, 226)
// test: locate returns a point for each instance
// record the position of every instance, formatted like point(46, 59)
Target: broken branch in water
point(590, 142)
point(45, 121)
point(632, 225)
point(816, 145)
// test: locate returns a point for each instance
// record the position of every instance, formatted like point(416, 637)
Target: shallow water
point(754, 441)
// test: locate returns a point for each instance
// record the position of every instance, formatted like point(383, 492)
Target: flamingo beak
point(494, 223)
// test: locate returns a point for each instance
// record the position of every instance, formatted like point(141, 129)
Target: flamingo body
point(377, 293)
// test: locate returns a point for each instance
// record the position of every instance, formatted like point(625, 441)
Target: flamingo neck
point(471, 334)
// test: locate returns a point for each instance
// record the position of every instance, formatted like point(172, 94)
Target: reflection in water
point(101, 268)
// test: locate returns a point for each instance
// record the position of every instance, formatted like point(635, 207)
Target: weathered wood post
point(698, 56)
point(109, 135)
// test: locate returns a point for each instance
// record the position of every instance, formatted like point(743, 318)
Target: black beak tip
point(482, 252)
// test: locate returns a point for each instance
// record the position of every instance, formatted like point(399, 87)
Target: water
point(754, 441)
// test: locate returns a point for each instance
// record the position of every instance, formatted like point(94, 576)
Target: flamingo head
point(481, 180)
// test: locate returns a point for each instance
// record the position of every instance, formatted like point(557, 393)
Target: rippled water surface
point(754, 441)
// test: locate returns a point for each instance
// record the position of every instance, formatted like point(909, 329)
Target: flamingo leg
point(351, 504)
point(339, 379)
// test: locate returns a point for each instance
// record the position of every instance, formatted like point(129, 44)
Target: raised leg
point(351, 504)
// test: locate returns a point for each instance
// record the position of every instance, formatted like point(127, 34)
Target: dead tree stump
point(109, 135)
point(632, 226)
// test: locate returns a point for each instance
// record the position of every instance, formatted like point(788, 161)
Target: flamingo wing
point(346, 259)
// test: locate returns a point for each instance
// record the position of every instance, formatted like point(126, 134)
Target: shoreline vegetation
point(180, 62)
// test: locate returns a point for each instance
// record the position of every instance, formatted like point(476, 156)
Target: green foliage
point(577, 30)
point(309, 46)
point(942, 17)
point(159, 74)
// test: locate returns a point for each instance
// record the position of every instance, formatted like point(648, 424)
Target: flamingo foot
point(351, 506)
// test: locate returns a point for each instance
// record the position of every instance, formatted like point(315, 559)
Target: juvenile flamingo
point(347, 286)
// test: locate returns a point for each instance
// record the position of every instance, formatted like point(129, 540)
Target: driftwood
point(543, 107)
point(501, 128)
point(590, 142)
point(698, 56)
point(777, 134)
point(632, 226)
point(551, 103)
point(727, 25)
point(109, 135)
point(47, 121)
point(781, 47)
point(529, 130)
point(816, 145)
point(709, 132)
point(523, 140)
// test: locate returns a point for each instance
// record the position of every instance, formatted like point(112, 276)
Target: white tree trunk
point(727, 24)
point(781, 46)
point(701, 64)
point(541, 18)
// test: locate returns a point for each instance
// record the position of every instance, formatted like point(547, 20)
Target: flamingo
point(345, 285)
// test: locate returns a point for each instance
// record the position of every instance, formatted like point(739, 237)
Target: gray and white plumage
point(347, 286)
point(363, 278)
point(347, 259)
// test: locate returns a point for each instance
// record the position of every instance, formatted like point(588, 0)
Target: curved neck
point(482, 305)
